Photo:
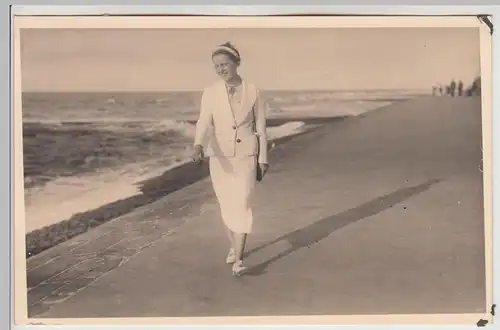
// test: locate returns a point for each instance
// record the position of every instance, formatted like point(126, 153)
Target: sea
point(86, 149)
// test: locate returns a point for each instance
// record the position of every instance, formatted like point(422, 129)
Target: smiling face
point(225, 67)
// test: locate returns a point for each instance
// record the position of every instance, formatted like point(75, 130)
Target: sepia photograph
point(236, 171)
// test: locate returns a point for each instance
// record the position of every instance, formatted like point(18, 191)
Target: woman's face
point(225, 67)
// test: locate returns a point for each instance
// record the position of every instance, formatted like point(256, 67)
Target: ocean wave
point(111, 123)
point(55, 149)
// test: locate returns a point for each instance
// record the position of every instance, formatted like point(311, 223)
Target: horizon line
point(201, 89)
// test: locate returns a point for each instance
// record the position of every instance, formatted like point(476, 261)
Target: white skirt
point(233, 180)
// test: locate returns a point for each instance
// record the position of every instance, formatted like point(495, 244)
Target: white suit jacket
point(226, 135)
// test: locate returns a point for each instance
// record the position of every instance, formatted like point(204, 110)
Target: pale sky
point(178, 59)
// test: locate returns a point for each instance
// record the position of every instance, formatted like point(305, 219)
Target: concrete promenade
point(378, 214)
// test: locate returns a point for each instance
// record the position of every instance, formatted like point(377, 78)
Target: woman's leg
point(231, 237)
point(240, 241)
point(231, 256)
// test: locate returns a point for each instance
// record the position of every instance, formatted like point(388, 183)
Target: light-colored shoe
point(231, 257)
point(238, 268)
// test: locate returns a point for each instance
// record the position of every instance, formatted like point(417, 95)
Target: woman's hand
point(197, 155)
point(263, 168)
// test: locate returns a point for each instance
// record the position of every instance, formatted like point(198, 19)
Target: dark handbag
point(258, 170)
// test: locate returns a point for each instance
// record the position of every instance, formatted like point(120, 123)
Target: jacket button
point(238, 140)
point(234, 127)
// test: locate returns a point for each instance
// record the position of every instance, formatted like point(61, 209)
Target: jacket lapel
point(241, 113)
point(247, 102)
point(223, 99)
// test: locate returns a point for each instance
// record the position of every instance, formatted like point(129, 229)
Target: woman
point(233, 118)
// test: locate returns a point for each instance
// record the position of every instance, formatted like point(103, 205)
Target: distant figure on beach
point(453, 86)
point(437, 90)
point(460, 88)
point(475, 88)
point(234, 111)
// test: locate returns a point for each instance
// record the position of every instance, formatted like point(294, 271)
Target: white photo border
point(174, 7)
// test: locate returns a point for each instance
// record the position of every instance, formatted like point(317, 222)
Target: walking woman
point(232, 125)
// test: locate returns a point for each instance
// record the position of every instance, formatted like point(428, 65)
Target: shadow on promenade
point(319, 230)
